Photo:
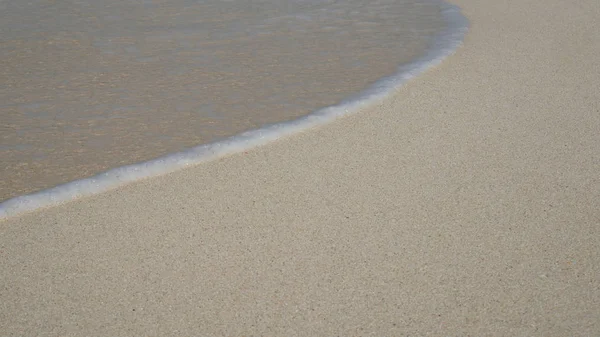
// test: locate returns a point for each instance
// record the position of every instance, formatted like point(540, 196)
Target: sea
point(98, 93)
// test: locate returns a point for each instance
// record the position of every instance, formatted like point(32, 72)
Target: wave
point(443, 44)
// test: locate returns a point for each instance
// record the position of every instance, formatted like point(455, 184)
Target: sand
point(465, 204)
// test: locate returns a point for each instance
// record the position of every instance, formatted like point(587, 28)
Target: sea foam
point(442, 45)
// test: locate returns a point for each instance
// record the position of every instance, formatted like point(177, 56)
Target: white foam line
point(443, 45)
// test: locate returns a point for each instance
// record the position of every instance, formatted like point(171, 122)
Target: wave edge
point(443, 44)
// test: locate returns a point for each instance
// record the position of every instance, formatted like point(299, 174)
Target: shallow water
point(91, 85)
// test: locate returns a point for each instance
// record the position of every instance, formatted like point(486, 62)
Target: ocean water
point(94, 85)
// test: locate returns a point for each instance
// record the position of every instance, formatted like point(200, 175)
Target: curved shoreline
point(443, 45)
point(465, 203)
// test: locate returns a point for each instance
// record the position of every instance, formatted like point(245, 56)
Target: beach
point(465, 203)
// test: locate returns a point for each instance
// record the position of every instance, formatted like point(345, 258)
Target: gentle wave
point(443, 44)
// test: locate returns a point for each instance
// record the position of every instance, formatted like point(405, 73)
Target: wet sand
point(465, 204)
point(89, 86)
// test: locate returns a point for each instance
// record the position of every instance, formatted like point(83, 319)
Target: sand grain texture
point(465, 204)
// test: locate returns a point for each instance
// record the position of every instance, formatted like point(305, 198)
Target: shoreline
point(444, 44)
point(465, 203)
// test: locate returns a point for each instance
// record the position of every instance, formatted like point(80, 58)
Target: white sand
point(466, 204)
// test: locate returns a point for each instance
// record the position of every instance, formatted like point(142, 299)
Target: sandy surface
point(466, 204)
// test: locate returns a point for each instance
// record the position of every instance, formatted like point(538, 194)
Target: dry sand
point(466, 204)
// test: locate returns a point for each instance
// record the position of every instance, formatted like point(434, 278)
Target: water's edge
point(443, 45)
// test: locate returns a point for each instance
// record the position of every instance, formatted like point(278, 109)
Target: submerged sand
point(465, 204)
point(89, 86)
